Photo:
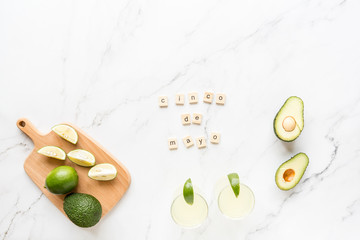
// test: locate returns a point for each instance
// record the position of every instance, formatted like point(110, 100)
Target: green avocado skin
point(82, 209)
point(277, 135)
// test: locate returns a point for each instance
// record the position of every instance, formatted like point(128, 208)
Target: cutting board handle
point(28, 128)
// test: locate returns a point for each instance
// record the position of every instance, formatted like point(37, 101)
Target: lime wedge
point(235, 183)
point(82, 158)
point(103, 172)
point(188, 192)
point(53, 152)
point(66, 132)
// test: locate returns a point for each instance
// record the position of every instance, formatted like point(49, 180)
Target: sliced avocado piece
point(289, 121)
point(290, 172)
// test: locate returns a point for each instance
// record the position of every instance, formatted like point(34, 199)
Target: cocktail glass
point(230, 205)
point(189, 215)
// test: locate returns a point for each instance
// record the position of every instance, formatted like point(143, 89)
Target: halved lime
point(82, 157)
point(53, 152)
point(66, 132)
point(188, 192)
point(103, 172)
point(235, 183)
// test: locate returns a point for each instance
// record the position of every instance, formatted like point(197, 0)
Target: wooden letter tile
point(163, 101)
point(185, 119)
point(201, 142)
point(220, 99)
point(197, 118)
point(180, 99)
point(188, 142)
point(208, 97)
point(172, 143)
point(193, 98)
point(215, 138)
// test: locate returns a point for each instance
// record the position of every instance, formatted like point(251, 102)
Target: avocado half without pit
point(290, 172)
point(289, 121)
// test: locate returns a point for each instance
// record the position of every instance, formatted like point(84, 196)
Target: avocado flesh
point(293, 107)
point(298, 164)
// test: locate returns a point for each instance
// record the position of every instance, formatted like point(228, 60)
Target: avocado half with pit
point(289, 121)
point(290, 172)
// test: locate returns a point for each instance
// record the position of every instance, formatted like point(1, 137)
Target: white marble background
point(102, 65)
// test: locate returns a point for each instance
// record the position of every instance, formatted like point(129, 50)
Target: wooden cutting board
point(38, 166)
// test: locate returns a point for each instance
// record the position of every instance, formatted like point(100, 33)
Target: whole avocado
point(82, 209)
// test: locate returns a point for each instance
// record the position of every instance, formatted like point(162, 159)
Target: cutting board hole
point(22, 124)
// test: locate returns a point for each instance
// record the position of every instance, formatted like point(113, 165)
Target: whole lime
point(84, 210)
point(62, 180)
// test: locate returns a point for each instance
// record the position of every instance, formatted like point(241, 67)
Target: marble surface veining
point(102, 65)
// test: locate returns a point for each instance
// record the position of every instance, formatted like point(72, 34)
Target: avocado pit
point(289, 124)
point(289, 175)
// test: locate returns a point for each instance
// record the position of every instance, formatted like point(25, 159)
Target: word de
point(196, 119)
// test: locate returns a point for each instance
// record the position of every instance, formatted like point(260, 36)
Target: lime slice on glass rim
point(66, 132)
point(188, 192)
point(53, 152)
point(103, 172)
point(235, 183)
point(82, 158)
